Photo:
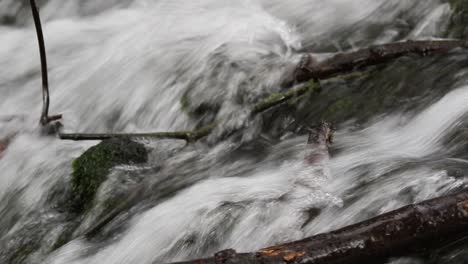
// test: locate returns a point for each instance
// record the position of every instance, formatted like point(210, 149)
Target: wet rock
point(459, 20)
point(93, 166)
point(17, 12)
point(34, 237)
point(115, 196)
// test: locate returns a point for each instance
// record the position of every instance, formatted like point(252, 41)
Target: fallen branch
point(341, 63)
point(45, 118)
point(413, 229)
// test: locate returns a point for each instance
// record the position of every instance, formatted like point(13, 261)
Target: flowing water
point(125, 66)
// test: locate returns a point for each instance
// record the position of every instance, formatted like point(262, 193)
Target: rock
point(93, 166)
point(459, 20)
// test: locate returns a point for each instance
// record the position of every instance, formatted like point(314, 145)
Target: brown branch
point(45, 118)
point(341, 63)
point(413, 229)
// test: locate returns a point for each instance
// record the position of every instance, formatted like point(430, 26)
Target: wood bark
point(413, 229)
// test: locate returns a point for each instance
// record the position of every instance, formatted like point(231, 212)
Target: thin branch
point(410, 230)
point(189, 136)
point(45, 118)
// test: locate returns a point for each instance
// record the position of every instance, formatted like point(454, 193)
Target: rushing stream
point(131, 65)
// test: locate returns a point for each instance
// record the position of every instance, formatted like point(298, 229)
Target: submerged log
point(310, 68)
point(413, 229)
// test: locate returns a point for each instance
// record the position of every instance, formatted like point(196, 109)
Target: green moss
point(340, 106)
point(458, 5)
point(278, 98)
point(91, 168)
point(353, 76)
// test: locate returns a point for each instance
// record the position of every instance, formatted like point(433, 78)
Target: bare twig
point(188, 136)
point(45, 118)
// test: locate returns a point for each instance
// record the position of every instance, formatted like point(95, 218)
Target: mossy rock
point(93, 166)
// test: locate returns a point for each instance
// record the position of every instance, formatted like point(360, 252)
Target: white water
point(125, 66)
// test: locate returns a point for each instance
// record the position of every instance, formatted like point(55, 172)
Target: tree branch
point(189, 136)
point(413, 229)
point(45, 118)
point(341, 63)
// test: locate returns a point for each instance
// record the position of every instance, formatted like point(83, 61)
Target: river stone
point(93, 166)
